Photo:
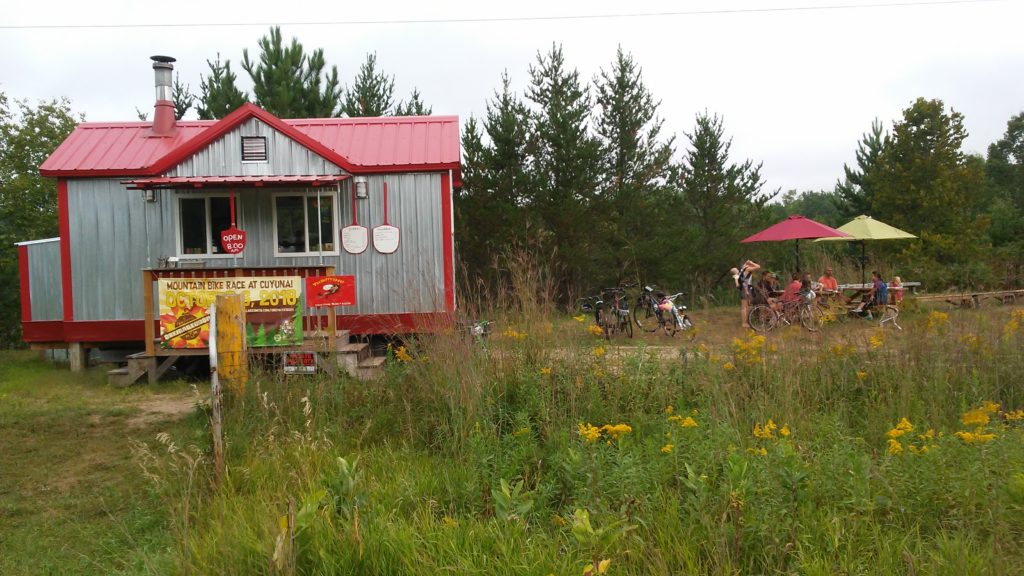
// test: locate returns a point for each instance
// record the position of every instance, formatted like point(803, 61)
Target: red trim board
point(63, 216)
point(446, 243)
point(23, 280)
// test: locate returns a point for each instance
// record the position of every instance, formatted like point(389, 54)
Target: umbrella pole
point(863, 262)
point(796, 248)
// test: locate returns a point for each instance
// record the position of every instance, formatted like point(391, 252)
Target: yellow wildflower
point(602, 566)
point(758, 451)
point(595, 330)
point(1014, 416)
point(989, 407)
point(975, 417)
point(876, 342)
point(688, 422)
point(702, 348)
point(667, 449)
point(894, 447)
point(545, 371)
point(916, 450)
point(901, 428)
point(936, 321)
point(402, 355)
point(784, 431)
point(978, 437)
point(579, 318)
point(728, 367)
point(514, 334)
point(599, 351)
point(616, 431)
point(589, 433)
point(927, 436)
point(669, 409)
point(861, 375)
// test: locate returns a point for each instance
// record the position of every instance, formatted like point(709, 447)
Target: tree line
point(582, 174)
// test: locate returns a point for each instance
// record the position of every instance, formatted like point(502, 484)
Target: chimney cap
point(162, 59)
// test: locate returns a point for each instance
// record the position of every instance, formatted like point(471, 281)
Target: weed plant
point(549, 451)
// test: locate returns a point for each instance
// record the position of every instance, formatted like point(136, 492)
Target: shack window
point(254, 149)
point(304, 223)
point(201, 222)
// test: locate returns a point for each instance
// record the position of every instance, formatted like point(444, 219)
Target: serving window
point(200, 221)
point(304, 223)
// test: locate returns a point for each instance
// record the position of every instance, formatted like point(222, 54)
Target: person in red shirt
point(828, 282)
point(792, 291)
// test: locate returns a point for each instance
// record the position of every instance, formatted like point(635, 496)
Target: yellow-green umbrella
point(865, 228)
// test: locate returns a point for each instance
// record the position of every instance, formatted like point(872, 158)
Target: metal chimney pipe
point(163, 110)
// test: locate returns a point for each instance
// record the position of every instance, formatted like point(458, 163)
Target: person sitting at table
point(896, 290)
point(792, 291)
point(878, 295)
point(829, 283)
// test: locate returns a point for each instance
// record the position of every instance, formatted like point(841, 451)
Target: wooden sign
point(386, 237)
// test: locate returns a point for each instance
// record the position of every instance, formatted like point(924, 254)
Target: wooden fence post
point(233, 360)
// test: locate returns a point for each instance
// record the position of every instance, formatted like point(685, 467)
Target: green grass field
point(852, 451)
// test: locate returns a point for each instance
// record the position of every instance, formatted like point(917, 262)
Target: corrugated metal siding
point(224, 157)
point(110, 226)
point(44, 281)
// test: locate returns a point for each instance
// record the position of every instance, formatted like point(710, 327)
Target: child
point(896, 289)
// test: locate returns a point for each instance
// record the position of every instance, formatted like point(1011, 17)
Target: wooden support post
point(233, 358)
point(216, 420)
point(147, 310)
point(78, 356)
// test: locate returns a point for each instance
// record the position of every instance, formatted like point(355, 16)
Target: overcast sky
point(797, 88)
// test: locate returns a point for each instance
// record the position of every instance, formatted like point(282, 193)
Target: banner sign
point(273, 309)
point(331, 290)
point(300, 362)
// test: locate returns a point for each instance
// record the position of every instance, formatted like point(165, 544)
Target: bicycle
point(652, 312)
point(766, 317)
point(611, 311)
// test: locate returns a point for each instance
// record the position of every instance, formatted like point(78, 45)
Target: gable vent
point(254, 149)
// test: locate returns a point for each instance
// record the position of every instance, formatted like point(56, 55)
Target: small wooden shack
point(248, 196)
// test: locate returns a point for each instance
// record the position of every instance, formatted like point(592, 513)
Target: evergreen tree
point(926, 185)
point(372, 93)
point(288, 83)
point(564, 164)
point(218, 94)
point(414, 107)
point(854, 193)
point(182, 97)
point(722, 201)
point(636, 163)
point(28, 202)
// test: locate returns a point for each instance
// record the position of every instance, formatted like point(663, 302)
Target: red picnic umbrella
point(795, 228)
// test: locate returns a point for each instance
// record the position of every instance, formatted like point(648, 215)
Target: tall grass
point(758, 456)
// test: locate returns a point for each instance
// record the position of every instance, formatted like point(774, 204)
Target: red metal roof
point(359, 145)
point(225, 181)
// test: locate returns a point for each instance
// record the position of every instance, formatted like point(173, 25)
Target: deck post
point(233, 358)
point(78, 356)
point(147, 310)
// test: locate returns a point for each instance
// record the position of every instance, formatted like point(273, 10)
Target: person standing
point(743, 279)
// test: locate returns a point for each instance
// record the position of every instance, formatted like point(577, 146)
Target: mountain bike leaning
point(655, 310)
point(611, 311)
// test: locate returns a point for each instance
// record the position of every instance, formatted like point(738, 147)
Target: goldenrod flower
point(616, 431)
point(1014, 416)
point(894, 447)
point(758, 451)
point(545, 371)
point(975, 417)
point(876, 342)
point(579, 318)
point(728, 367)
point(595, 330)
point(784, 431)
point(989, 407)
point(937, 320)
point(861, 375)
point(589, 433)
point(688, 422)
point(669, 409)
point(402, 355)
point(599, 351)
point(666, 449)
point(901, 428)
point(978, 437)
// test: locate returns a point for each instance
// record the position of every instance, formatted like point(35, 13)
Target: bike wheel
point(644, 315)
point(607, 323)
point(811, 318)
point(761, 318)
point(686, 323)
point(627, 323)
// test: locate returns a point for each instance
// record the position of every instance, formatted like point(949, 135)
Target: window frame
point(304, 194)
point(210, 239)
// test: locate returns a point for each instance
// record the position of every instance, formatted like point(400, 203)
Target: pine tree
point(288, 83)
point(722, 200)
point(218, 94)
point(372, 93)
point(855, 192)
point(564, 164)
point(182, 97)
point(414, 107)
point(635, 163)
